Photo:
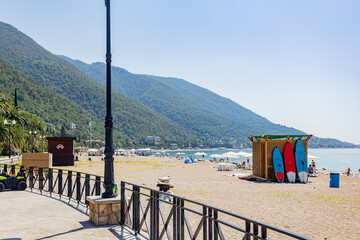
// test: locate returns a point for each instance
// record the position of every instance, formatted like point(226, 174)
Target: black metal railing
point(72, 184)
point(150, 213)
point(167, 216)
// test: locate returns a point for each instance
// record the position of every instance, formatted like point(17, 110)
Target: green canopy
point(272, 137)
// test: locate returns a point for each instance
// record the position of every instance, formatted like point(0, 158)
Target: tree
point(63, 131)
point(16, 100)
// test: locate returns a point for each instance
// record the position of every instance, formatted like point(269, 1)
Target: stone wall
point(104, 211)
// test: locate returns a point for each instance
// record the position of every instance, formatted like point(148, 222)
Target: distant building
point(174, 146)
point(71, 125)
point(153, 138)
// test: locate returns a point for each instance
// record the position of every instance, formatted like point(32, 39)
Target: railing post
point(216, 225)
point(154, 217)
point(175, 218)
point(5, 169)
point(210, 228)
point(60, 182)
point(22, 171)
point(263, 232)
point(69, 180)
point(12, 169)
point(87, 187)
point(182, 219)
point(136, 209)
point(50, 180)
point(78, 186)
point(122, 203)
point(248, 230)
point(31, 177)
point(41, 178)
point(256, 230)
point(97, 186)
point(178, 222)
point(204, 223)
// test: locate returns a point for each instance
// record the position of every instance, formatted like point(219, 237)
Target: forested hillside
point(185, 103)
point(131, 119)
point(143, 105)
point(55, 110)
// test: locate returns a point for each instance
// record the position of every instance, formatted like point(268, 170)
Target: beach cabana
point(262, 150)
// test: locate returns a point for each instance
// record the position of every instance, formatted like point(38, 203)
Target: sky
point(296, 63)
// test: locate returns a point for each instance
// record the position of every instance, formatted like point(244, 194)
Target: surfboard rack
point(262, 150)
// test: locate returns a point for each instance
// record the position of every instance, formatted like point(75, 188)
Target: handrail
point(212, 218)
point(72, 184)
point(215, 223)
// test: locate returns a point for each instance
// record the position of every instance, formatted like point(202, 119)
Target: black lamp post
point(13, 122)
point(33, 134)
point(109, 182)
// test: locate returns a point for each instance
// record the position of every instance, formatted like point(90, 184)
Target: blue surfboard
point(301, 160)
point(278, 165)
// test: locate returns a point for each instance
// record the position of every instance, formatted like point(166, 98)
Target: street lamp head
point(5, 122)
point(34, 132)
point(29, 132)
point(13, 122)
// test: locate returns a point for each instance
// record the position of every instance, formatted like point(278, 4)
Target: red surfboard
point(289, 163)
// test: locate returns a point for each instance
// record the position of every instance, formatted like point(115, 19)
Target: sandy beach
point(313, 210)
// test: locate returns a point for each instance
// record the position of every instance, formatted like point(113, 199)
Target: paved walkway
point(32, 215)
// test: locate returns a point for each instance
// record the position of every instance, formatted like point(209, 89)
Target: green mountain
point(131, 119)
point(55, 110)
point(171, 108)
point(186, 103)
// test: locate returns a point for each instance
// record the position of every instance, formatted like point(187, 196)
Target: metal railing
point(167, 216)
point(153, 214)
point(72, 184)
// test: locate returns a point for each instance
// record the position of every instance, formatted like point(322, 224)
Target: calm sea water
point(330, 159)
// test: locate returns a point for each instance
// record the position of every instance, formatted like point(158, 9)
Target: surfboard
point(278, 165)
point(301, 160)
point(289, 163)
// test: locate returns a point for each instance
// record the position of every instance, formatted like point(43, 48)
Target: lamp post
point(42, 142)
point(13, 122)
point(33, 142)
point(109, 182)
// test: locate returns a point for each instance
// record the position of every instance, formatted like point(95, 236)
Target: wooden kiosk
point(262, 150)
point(62, 149)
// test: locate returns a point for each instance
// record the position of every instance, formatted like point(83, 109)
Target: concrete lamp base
point(104, 211)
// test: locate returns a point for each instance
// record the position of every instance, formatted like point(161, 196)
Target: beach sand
point(313, 210)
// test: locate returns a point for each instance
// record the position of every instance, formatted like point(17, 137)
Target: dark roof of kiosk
point(273, 137)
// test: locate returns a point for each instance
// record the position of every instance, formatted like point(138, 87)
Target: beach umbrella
point(227, 155)
point(179, 153)
point(243, 154)
point(216, 156)
point(313, 157)
point(200, 154)
point(157, 153)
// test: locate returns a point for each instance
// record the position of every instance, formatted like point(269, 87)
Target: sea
point(335, 159)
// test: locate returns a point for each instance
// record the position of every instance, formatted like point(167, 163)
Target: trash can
point(334, 180)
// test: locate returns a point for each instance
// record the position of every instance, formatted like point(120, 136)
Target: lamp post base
point(108, 194)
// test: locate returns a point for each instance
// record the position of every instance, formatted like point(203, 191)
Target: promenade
point(32, 215)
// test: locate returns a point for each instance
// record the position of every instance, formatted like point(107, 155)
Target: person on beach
point(313, 164)
point(348, 171)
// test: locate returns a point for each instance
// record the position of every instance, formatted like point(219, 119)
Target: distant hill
point(131, 119)
point(143, 105)
point(186, 103)
point(55, 110)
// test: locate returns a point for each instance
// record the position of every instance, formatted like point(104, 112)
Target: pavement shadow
point(80, 207)
point(119, 232)
point(85, 225)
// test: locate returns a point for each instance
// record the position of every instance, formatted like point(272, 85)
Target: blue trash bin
point(334, 180)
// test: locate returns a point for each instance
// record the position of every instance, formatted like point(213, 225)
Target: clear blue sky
point(296, 63)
